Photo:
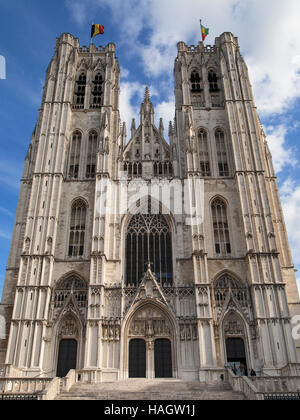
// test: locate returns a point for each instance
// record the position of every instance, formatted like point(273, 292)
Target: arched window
point(133, 169)
point(148, 239)
point(72, 284)
point(222, 158)
point(77, 229)
point(213, 81)
point(92, 155)
point(220, 225)
point(79, 93)
point(74, 155)
point(97, 91)
point(195, 81)
point(224, 285)
point(163, 169)
point(203, 153)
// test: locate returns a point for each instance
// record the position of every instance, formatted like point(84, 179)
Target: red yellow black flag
point(97, 30)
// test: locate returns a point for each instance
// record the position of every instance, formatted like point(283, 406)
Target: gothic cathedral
point(143, 257)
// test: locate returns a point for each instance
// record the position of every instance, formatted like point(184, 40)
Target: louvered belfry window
point(203, 153)
point(74, 156)
point(92, 155)
point(221, 229)
point(148, 239)
point(77, 229)
point(222, 157)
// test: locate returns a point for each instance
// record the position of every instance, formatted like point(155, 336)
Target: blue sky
point(146, 33)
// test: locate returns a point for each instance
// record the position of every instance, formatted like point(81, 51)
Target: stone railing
point(23, 385)
point(244, 385)
point(276, 384)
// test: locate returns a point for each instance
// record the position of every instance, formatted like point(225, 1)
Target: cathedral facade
point(137, 257)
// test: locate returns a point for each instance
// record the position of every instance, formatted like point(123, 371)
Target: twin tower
point(148, 258)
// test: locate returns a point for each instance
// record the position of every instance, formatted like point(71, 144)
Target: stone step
point(151, 390)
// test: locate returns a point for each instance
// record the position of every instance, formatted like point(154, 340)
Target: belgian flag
point(97, 30)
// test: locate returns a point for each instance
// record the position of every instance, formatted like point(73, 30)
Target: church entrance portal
point(67, 357)
point(149, 339)
point(236, 354)
point(163, 358)
point(137, 359)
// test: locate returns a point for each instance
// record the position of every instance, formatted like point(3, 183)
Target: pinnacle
point(147, 95)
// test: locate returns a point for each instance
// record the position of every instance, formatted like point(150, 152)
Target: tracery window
point(74, 155)
point(222, 157)
point(133, 169)
point(220, 225)
point(77, 229)
point(148, 239)
point(92, 155)
point(203, 153)
point(213, 81)
point(79, 94)
point(97, 91)
point(195, 81)
point(74, 285)
point(163, 169)
point(224, 285)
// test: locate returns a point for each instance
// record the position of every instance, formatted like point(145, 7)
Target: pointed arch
point(220, 226)
point(213, 80)
point(74, 155)
point(145, 317)
point(148, 238)
point(203, 152)
point(97, 91)
point(80, 90)
point(77, 228)
point(92, 149)
point(195, 80)
point(222, 153)
point(71, 283)
point(226, 285)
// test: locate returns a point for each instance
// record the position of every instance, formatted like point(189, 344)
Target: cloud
point(290, 197)
point(4, 235)
point(282, 154)
point(10, 175)
point(156, 26)
point(6, 212)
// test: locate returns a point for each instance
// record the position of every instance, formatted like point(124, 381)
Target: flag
point(97, 30)
point(204, 31)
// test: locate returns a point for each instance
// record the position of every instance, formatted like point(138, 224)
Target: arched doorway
point(67, 357)
point(163, 358)
point(149, 343)
point(235, 340)
point(236, 354)
point(137, 358)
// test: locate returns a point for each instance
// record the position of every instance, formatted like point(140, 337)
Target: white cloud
point(290, 195)
point(268, 30)
point(281, 154)
point(6, 212)
point(129, 91)
point(4, 235)
point(165, 110)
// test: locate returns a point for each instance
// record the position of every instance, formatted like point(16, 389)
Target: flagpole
point(201, 30)
point(91, 39)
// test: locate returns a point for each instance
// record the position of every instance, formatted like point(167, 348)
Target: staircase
point(151, 390)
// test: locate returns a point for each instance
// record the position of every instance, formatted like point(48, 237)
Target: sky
point(146, 33)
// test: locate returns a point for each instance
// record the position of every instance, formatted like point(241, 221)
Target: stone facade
point(227, 290)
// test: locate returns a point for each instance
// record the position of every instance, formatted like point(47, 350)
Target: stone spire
point(147, 110)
